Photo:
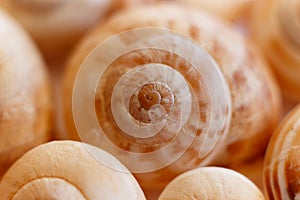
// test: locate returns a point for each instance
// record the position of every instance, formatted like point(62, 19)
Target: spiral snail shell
point(211, 183)
point(56, 25)
point(68, 170)
point(280, 40)
point(25, 107)
point(281, 167)
point(157, 81)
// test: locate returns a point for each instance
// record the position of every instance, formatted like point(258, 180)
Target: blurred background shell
point(56, 25)
point(231, 10)
point(25, 97)
point(275, 27)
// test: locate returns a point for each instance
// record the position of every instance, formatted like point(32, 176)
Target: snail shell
point(25, 107)
point(280, 40)
point(68, 170)
point(254, 94)
point(56, 25)
point(281, 167)
point(211, 183)
point(230, 9)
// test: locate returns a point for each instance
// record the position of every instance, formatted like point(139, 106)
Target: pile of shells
point(156, 99)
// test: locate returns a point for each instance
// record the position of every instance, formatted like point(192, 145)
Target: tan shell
point(229, 9)
point(281, 167)
point(56, 25)
point(255, 97)
point(68, 170)
point(278, 36)
point(211, 183)
point(25, 107)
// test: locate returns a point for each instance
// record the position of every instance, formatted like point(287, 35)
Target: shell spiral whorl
point(151, 96)
point(154, 102)
point(110, 113)
point(50, 171)
point(166, 88)
point(281, 168)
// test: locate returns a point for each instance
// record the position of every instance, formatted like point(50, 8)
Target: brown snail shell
point(25, 107)
point(68, 170)
point(281, 167)
point(278, 36)
point(56, 25)
point(211, 183)
point(254, 94)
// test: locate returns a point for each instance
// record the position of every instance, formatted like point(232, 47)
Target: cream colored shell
point(68, 170)
point(278, 36)
point(25, 103)
point(211, 183)
point(281, 167)
point(255, 97)
point(56, 25)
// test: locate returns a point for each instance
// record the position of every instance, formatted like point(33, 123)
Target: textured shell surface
point(68, 170)
point(282, 165)
point(211, 183)
point(253, 92)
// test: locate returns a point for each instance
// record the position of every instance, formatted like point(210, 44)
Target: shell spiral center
point(152, 102)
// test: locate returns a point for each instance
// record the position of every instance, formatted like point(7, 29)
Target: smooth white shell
point(56, 25)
